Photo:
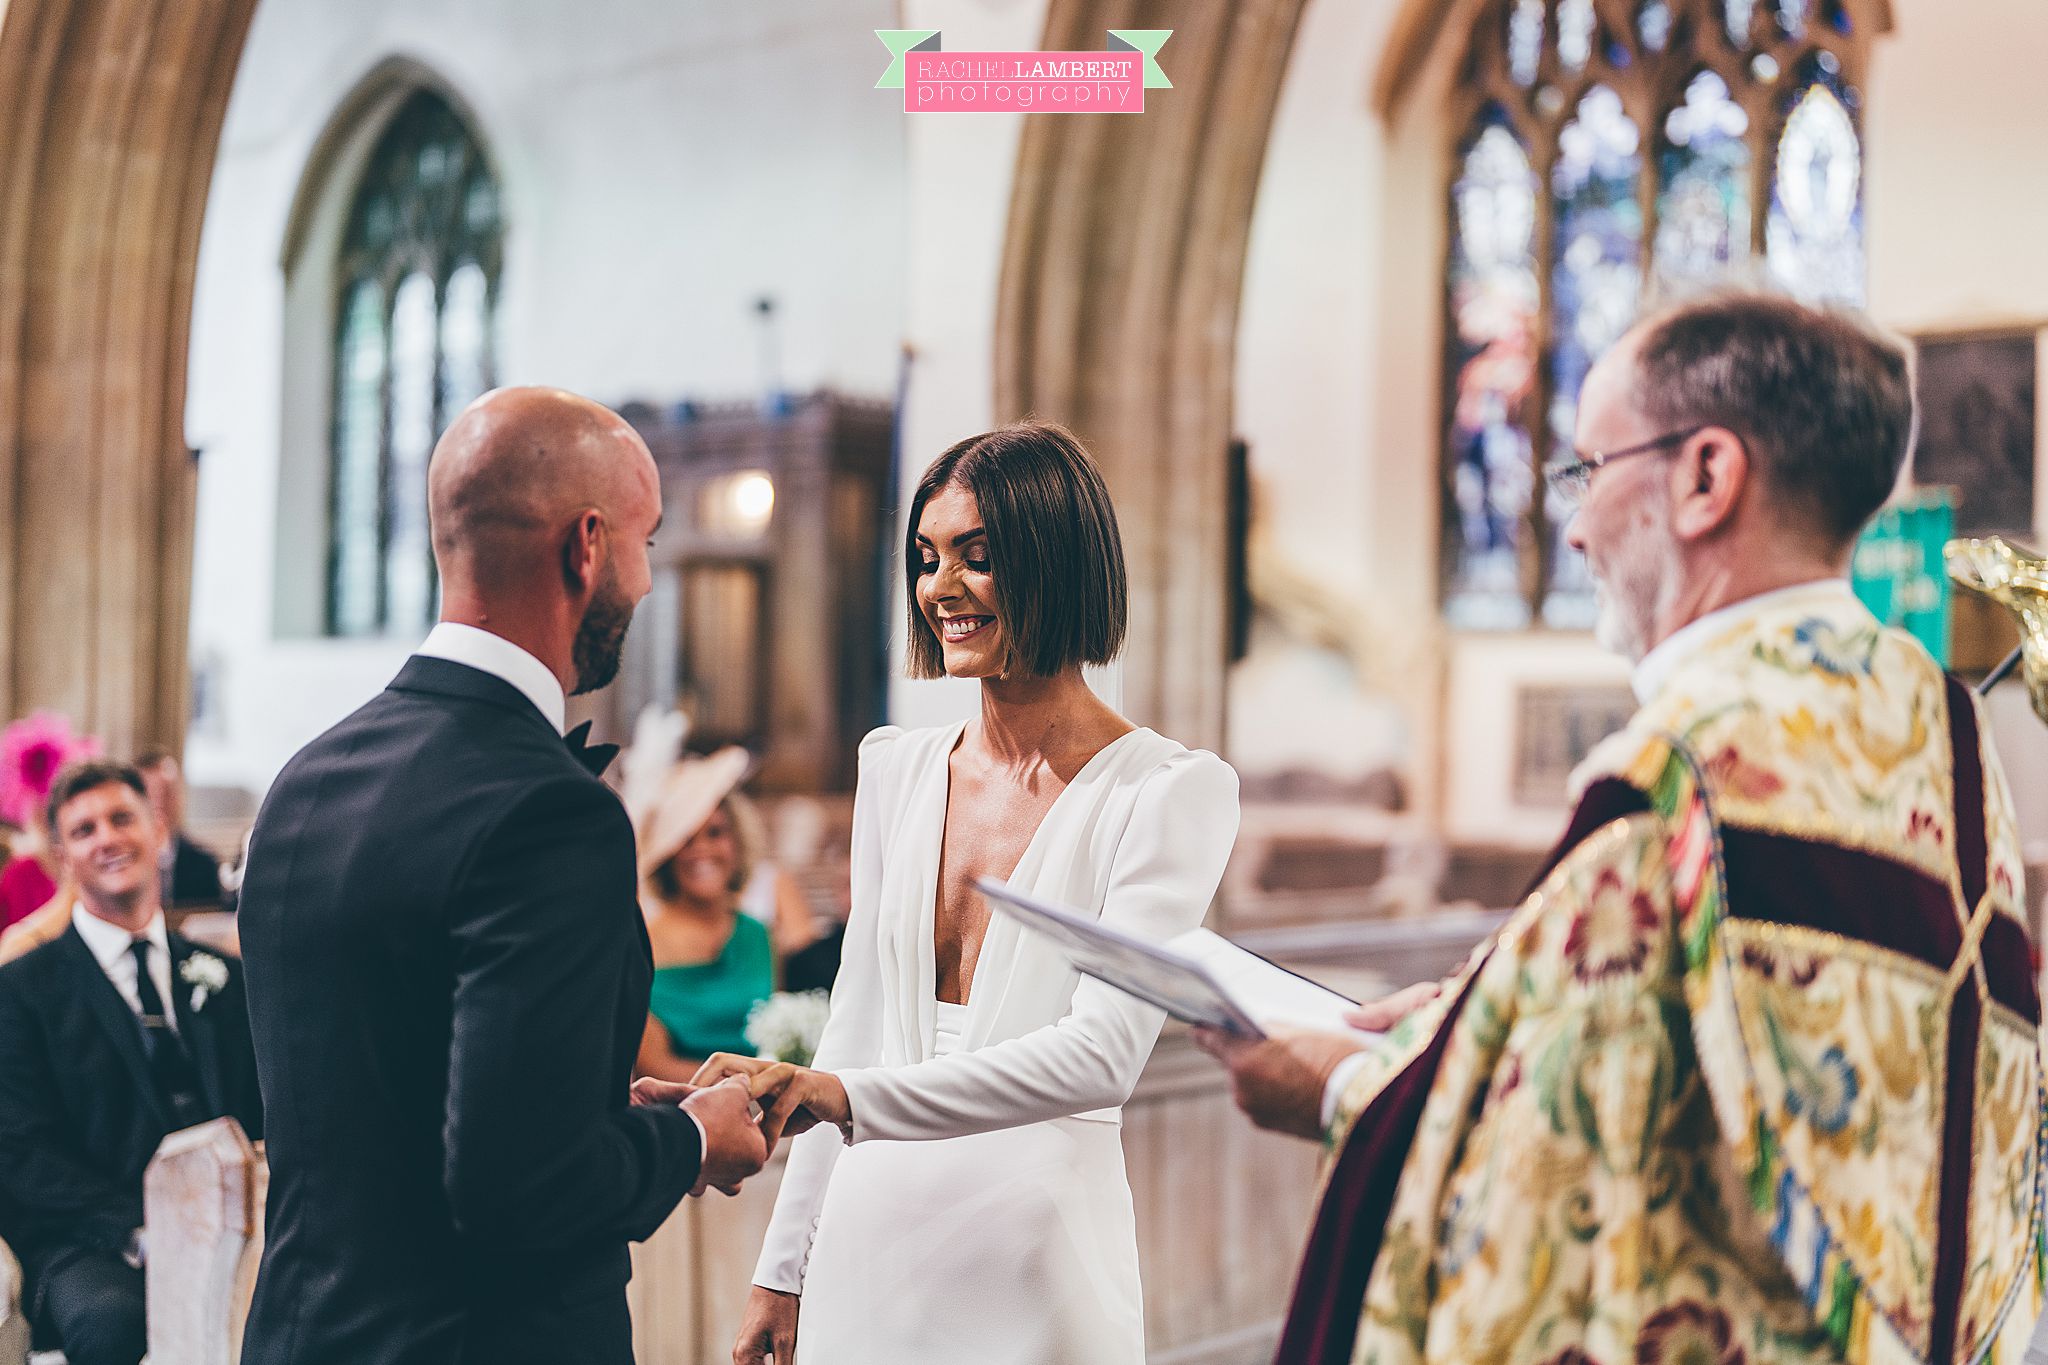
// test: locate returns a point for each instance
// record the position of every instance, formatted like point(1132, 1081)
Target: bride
point(962, 1195)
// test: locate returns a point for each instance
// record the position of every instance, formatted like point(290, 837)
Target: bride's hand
point(768, 1330)
point(719, 1065)
point(795, 1099)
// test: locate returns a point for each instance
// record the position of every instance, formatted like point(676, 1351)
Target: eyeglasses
point(1571, 478)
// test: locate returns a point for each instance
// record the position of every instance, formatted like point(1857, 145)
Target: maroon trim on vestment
point(1966, 761)
point(1958, 1139)
point(1344, 1243)
point(1604, 800)
point(2009, 967)
point(1778, 879)
point(1784, 880)
point(1965, 1023)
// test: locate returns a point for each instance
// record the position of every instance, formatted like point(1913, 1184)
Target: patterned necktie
point(177, 1084)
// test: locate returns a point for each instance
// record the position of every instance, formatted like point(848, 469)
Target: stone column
point(1121, 277)
point(110, 114)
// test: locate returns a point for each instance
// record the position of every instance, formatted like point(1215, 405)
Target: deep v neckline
point(931, 914)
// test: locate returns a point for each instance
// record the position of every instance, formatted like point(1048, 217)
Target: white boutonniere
point(205, 974)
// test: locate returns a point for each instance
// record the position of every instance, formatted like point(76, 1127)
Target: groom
point(447, 967)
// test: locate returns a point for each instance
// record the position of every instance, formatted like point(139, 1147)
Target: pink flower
point(1611, 936)
point(32, 752)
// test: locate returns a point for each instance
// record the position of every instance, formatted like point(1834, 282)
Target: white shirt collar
point(110, 942)
point(1656, 667)
point(499, 657)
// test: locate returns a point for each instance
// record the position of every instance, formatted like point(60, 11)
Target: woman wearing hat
point(712, 964)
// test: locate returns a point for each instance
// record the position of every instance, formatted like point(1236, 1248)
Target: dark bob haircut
point(1054, 549)
point(89, 775)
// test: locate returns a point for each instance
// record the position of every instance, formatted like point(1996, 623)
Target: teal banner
point(1897, 567)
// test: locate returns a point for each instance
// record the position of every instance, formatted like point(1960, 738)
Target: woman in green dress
point(712, 964)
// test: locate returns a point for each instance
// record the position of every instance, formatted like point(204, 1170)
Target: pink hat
point(32, 752)
point(688, 796)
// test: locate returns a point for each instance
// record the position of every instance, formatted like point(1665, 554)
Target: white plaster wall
point(961, 167)
point(664, 163)
point(1308, 381)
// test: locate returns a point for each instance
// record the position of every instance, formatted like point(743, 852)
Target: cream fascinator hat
point(685, 800)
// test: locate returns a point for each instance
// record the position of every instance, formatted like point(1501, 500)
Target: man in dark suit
point(111, 1036)
point(448, 968)
point(190, 872)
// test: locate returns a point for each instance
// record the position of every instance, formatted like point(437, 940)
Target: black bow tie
point(595, 757)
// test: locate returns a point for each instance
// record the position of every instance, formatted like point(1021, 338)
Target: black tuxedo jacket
point(448, 976)
point(195, 874)
point(79, 1113)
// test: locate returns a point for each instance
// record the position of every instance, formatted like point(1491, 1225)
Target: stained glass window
point(418, 269)
point(1703, 213)
point(1525, 40)
point(1813, 238)
point(1739, 16)
point(1653, 24)
point(1602, 169)
point(1494, 297)
point(358, 460)
point(1575, 25)
point(1596, 283)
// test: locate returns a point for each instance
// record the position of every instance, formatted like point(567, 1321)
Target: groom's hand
point(652, 1090)
point(735, 1146)
point(793, 1098)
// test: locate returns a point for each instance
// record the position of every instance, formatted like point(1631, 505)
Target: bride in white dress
point(962, 1196)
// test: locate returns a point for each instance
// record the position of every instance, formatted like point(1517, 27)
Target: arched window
point(418, 279)
point(1615, 151)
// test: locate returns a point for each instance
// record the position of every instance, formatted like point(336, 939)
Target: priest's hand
point(793, 1098)
point(1377, 1016)
point(1281, 1081)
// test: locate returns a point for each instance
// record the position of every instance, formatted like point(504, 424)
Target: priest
point(1754, 1072)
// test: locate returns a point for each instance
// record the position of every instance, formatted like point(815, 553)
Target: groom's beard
point(601, 635)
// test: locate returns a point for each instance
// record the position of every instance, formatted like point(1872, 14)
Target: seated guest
point(190, 872)
point(113, 1035)
point(712, 964)
point(1754, 1073)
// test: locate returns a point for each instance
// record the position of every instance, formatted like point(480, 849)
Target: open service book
point(1199, 976)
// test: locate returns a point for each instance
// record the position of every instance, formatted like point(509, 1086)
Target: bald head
point(543, 505)
point(516, 469)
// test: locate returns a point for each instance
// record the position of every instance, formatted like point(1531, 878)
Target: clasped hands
point(746, 1106)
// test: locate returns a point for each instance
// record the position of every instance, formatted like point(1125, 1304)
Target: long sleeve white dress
point(981, 1212)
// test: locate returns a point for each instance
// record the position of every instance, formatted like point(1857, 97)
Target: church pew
point(13, 1326)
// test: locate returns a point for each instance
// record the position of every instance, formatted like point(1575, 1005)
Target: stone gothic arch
point(110, 115)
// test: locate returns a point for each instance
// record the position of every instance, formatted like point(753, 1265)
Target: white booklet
point(1199, 976)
